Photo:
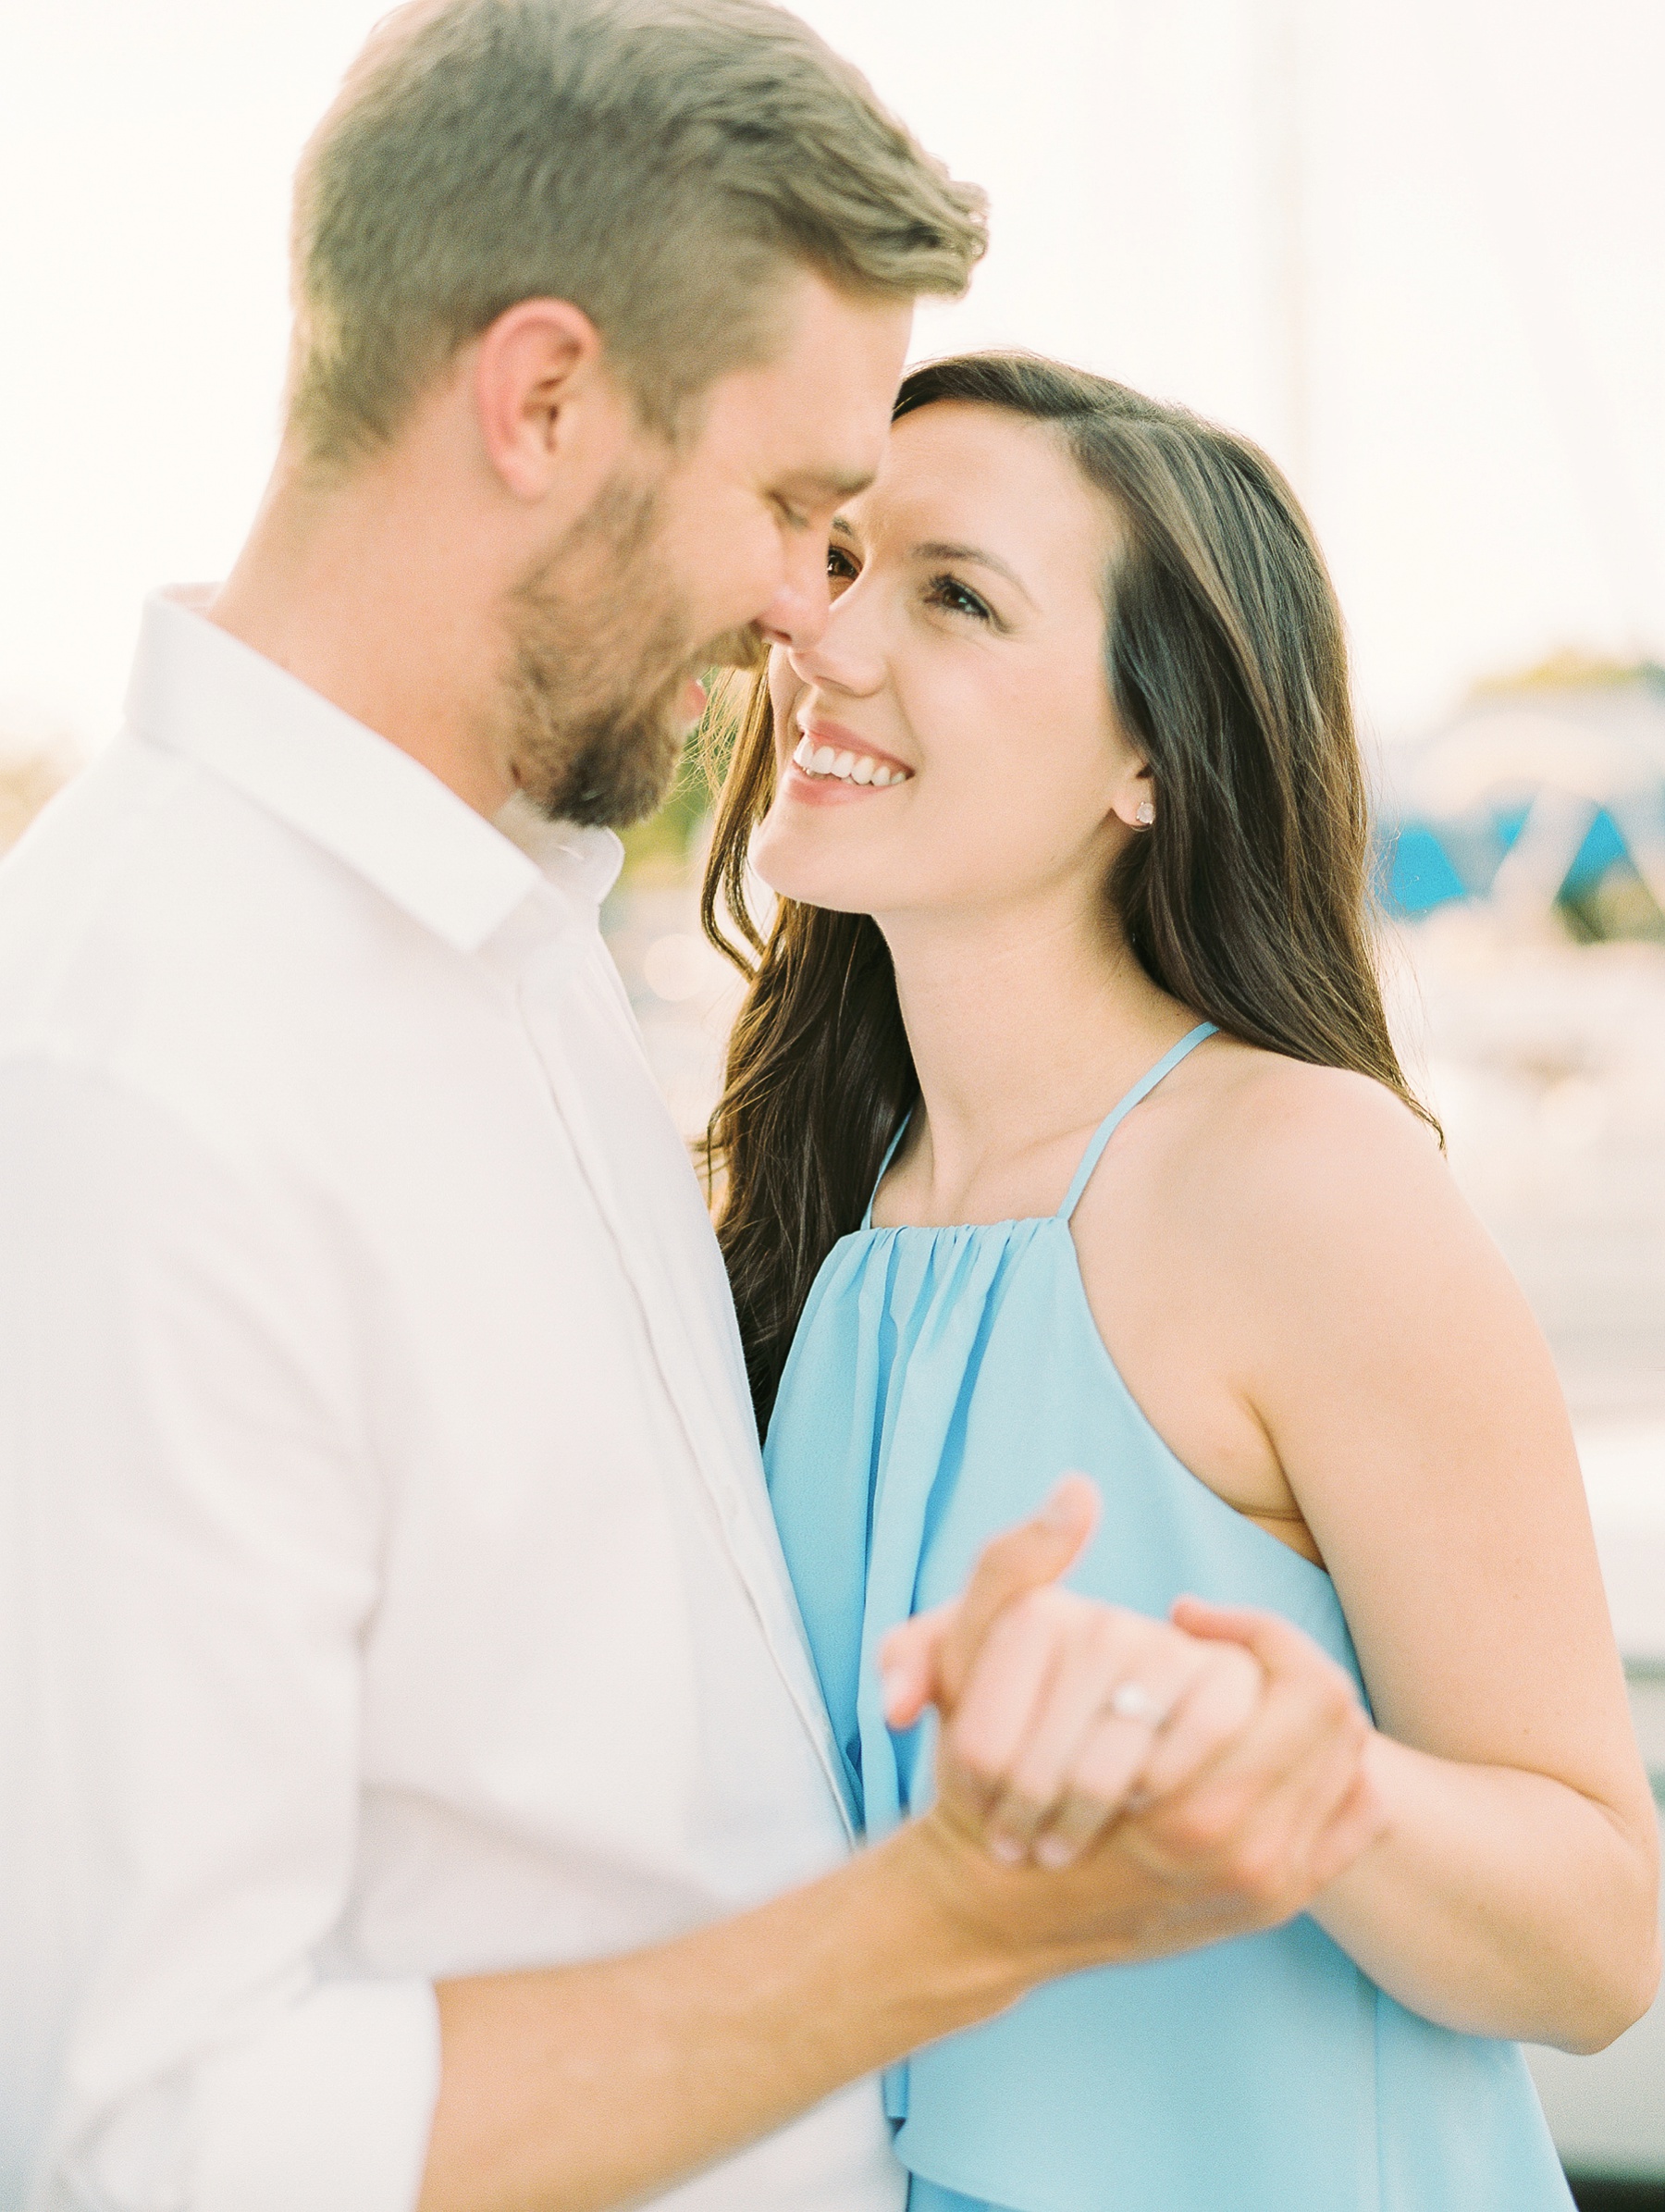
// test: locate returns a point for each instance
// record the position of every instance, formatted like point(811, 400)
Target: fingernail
point(1007, 1849)
point(1053, 1851)
point(1058, 1513)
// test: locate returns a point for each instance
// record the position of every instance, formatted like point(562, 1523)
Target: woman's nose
point(840, 650)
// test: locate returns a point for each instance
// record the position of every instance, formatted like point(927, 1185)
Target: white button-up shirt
point(387, 1585)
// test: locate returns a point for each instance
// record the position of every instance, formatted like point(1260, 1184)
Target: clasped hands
point(1212, 1765)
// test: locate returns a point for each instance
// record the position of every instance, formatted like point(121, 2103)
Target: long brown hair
point(1248, 900)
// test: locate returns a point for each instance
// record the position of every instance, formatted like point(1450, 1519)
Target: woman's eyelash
point(949, 592)
point(946, 591)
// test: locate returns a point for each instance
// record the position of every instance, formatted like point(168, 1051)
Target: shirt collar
point(584, 863)
point(199, 691)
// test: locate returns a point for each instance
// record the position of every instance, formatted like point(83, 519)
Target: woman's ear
point(1135, 799)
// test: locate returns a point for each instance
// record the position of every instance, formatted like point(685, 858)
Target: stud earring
point(1145, 813)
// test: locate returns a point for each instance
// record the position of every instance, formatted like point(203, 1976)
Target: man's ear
point(543, 394)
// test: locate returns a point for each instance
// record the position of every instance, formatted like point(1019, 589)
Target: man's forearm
point(581, 2087)
point(575, 2088)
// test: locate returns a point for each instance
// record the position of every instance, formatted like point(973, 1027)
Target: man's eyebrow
point(937, 549)
point(831, 484)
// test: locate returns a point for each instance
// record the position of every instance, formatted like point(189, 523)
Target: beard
point(601, 653)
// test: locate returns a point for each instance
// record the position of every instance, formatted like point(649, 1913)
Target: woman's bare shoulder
point(1262, 1177)
point(1250, 1148)
point(1275, 1097)
point(1276, 1126)
point(1287, 1174)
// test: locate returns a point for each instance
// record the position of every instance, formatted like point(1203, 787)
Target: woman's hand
point(1061, 1714)
point(1077, 1710)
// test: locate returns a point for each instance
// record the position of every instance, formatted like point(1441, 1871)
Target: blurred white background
point(1419, 251)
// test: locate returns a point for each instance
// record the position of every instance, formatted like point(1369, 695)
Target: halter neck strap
point(1119, 1114)
point(889, 1153)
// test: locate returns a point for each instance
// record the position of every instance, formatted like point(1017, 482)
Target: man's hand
point(1224, 1765)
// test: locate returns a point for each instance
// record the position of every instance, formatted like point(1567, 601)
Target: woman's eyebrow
point(936, 548)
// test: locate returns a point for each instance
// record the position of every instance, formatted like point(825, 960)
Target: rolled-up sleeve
point(190, 1524)
point(351, 2071)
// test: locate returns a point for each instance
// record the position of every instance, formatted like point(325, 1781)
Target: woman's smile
point(831, 763)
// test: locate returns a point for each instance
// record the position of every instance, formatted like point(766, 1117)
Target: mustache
point(745, 649)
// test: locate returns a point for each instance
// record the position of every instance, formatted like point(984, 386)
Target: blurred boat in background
point(1543, 797)
point(1523, 870)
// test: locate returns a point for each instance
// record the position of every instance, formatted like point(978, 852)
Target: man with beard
point(414, 1785)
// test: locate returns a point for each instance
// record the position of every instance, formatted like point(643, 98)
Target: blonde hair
point(658, 163)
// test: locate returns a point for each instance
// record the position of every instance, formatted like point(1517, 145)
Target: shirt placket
point(557, 999)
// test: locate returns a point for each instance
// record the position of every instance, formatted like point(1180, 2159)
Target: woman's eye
point(841, 569)
point(949, 592)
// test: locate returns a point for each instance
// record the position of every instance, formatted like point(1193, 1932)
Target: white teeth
point(848, 767)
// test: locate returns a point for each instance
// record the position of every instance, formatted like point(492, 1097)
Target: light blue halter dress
point(940, 1382)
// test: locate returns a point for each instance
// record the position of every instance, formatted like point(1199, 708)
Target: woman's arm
point(1413, 1405)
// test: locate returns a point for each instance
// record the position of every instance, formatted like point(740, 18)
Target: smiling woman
point(1226, 664)
point(1063, 1131)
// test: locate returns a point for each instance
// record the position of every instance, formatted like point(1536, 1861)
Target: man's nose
point(796, 616)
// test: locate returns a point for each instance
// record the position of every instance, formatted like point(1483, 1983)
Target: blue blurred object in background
point(1544, 797)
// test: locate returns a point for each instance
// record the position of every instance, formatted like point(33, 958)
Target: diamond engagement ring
point(1132, 1701)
